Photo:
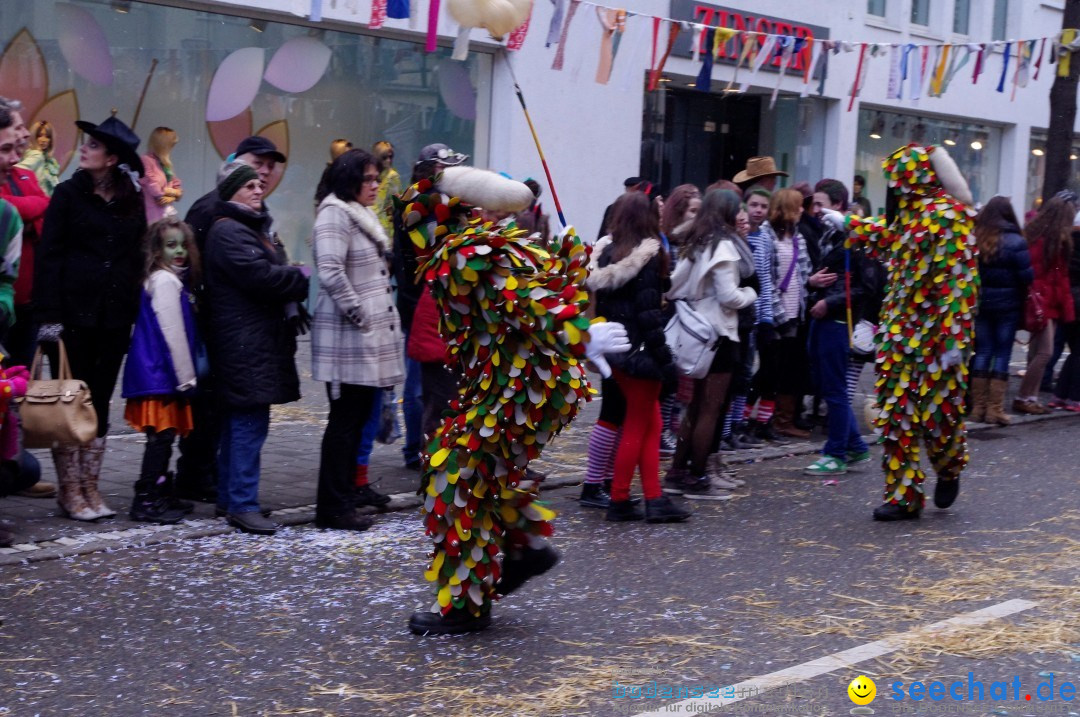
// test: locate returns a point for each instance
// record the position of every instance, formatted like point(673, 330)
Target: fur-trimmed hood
point(618, 273)
point(364, 217)
point(926, 171)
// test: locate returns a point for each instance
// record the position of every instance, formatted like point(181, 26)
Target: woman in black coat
point(252, 344)
point(1067, 393)
point(89, 271)
point(629, 286)
point(1005, 274)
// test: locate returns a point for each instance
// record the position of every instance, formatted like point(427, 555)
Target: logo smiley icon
point(862, 690)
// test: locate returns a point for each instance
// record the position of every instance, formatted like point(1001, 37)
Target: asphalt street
point(794, 570)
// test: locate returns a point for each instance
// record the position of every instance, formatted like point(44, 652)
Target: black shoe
point(414, 465)
point(663, 510)
point(746, 437)
point(622, 510)
point(223, 513)
point(728, 444)
point(158, 509)
point(593, 495)
point(892, 511)
point(456, 622)
point(252, 522)
point(345, 521)
point(945, 492)
point(366, 495)
point(184, 506)
point(537, 476)
point(766, 433)
point(205, 493)
point(529, 563)
point(7, 538)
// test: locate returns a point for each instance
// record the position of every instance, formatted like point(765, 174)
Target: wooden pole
point(146, 86)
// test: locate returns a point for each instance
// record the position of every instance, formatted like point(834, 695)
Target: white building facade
point(382, 84)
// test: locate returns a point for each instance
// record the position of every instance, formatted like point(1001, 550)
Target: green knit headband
point(232, 184)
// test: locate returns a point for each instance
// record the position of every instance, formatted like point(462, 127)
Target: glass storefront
point(975, 147)
point(1037, 168)
point(69, 60)
point(699, 137)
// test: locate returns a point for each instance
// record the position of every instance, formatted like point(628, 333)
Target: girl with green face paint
point(160, 374)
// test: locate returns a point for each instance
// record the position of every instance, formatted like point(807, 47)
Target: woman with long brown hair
point(629, 288)
point(680, 208)
point(708, 276)
point(784, 359)
point(1049, 237)
point(1005, 274)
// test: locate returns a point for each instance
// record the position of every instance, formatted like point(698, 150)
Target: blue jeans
point(829, 357)
point(243, 432)
point(371, 429)
point(413, 408)
point(994, 334)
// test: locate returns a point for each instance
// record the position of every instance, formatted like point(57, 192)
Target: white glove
point(834, 218)
point(606, 337)
point(952, 357)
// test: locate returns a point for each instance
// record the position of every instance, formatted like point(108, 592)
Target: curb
point(144, 536)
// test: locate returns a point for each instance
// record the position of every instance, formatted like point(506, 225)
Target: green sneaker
point(826, 466)
point(857, 459)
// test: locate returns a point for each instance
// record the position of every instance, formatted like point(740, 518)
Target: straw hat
point(758, 168)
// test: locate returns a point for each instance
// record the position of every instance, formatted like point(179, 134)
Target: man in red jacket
point(20, 188)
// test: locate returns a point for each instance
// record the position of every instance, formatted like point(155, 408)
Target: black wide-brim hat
point(118, 139)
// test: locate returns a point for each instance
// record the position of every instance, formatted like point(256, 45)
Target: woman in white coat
point(707, 276)
point(356, 339)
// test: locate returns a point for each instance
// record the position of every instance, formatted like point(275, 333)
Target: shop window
point(875, 7)
point(1000, 28)
point(961, 17)
point(371, 88)
point(1037, 169)
point(920, 12)
point(976, 149)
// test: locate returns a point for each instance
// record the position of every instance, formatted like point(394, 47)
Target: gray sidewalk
point(290, 462)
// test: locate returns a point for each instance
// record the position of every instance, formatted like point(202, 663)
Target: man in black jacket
point(830, 348)
point(196, 467)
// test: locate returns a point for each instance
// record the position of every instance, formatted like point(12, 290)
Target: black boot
point(150, 508)
point(456, 622)
point(945, 492)
point(593, 495)
point(173, 493)
point(623, 510)
point(366, 495)
point(891, 511)
point(528, 563)
point(664, 510)
point(607, 489)
point(766, 433)
point(745, 435)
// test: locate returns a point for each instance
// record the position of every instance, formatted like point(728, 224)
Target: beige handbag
point(58, 410)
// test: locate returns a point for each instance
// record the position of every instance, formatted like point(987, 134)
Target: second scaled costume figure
point(160, 374)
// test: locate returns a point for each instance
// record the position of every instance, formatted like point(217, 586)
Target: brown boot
point(1032, 408)
point(784, 418)
point(995, 404)
point(980, 394)
point(70, 496)
point(93, 454)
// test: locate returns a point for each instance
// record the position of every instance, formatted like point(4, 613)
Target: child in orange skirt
point(160, 372)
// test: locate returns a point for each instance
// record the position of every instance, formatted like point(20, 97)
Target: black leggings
point(341, 441)
point(96, 355)
point(155, 460)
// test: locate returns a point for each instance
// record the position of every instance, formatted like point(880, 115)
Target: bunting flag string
point(432, 43)
point(555, 28)
point(704, 78)
point(673, 33)
point(560, 54)
point(1004, 68)
point(517, 36)
point(858, 75)
point(378, 14)
point(613, 23)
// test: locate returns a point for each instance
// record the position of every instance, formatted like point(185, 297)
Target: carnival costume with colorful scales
point(513, 315)
point(927, 320)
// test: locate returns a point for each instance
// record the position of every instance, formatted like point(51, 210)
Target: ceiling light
point(258, 25)
point(1038, 152)
point(878, 127)
point(1072, 157)
point(691, 84)
point(976, 144)
point(121, 6)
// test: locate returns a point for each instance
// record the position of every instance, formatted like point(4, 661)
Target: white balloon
point(298, 64)
point(499, 17)
point(235, 84)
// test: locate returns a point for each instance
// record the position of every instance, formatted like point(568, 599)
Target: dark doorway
point(698, 137)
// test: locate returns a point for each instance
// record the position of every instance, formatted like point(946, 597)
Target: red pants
point(640, 444)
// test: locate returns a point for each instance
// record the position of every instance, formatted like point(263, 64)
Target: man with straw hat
point(760, 171)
